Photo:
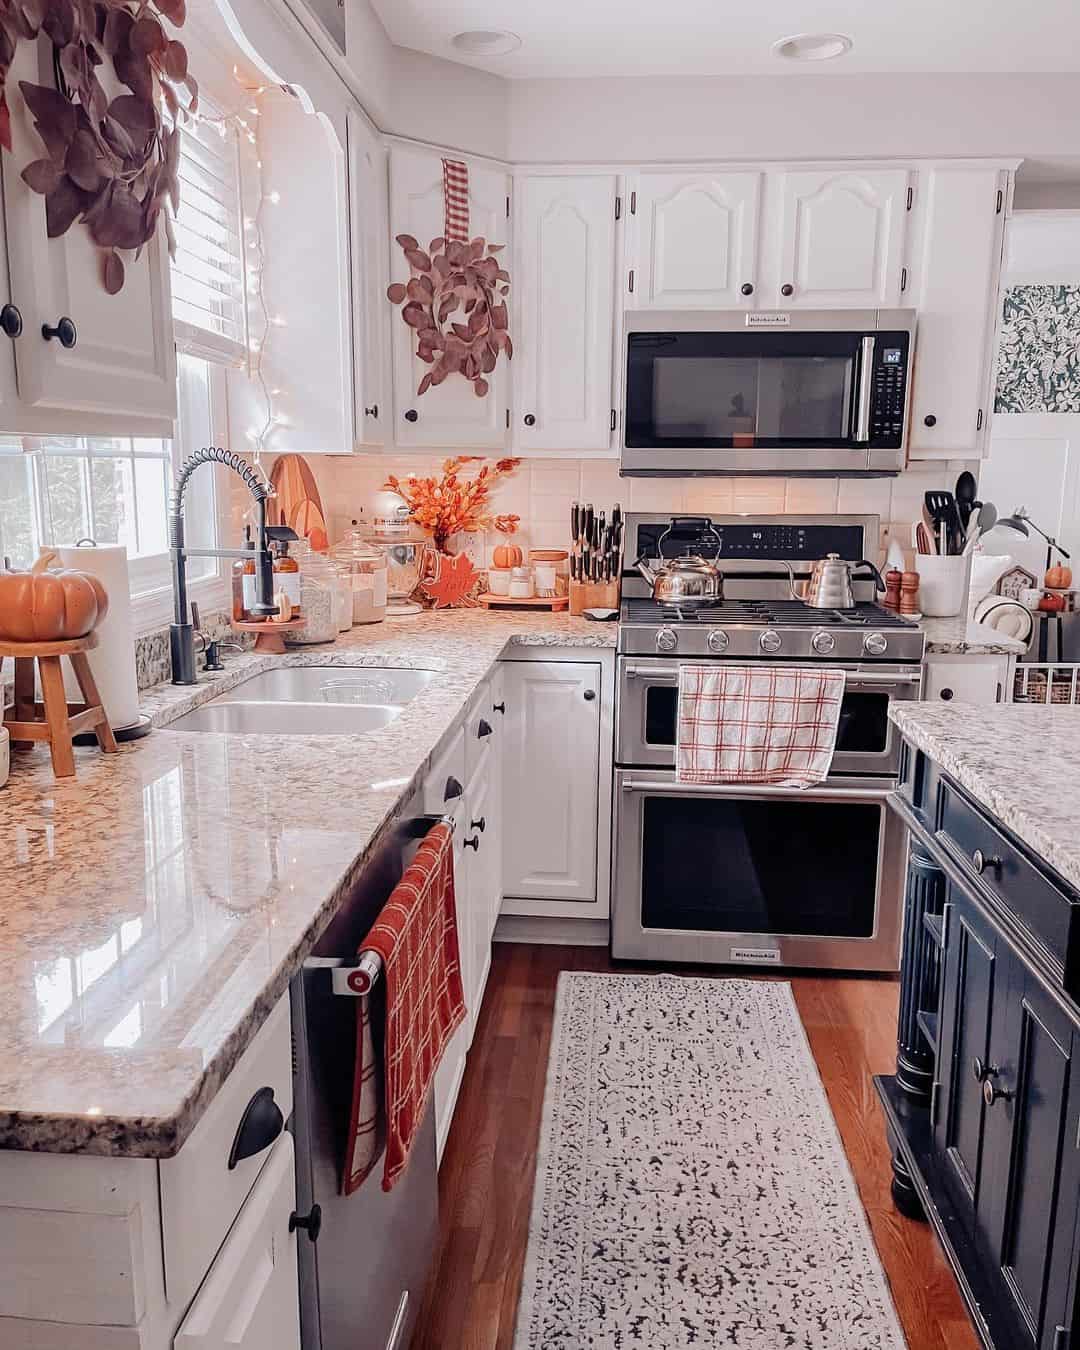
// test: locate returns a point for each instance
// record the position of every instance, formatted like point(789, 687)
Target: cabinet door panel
point(451, 414)
point(697, 238)
point(842, 237)
point(123, 362)
point(370, 308)
point(551, 766)
point(956, 291)
point(566, 248)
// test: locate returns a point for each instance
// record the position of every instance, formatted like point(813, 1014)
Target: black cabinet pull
point(412, 415)
point(473, 843)
point(590, 694)
point(484, 729)
point(480, 824)
point(929, 420)
point(499, 708)
point(453, 789)
point(373, 411)
point(259, 1126)
point(11, 320)
point(746, 288)
point(787, 288)
point(311, 1222)
point(64, 331)
point(530, 420)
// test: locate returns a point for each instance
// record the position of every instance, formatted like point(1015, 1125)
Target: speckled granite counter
point(154, 908)
point(960, 636)
point(1017, 760)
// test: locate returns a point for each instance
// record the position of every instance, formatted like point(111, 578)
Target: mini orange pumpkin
point(507, 555)
point(1058, 577)
point(44, 606)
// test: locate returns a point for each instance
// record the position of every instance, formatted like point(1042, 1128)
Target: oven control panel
point(888, 392)
point(793, 543)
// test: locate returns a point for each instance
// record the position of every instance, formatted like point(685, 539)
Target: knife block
point(593, 595)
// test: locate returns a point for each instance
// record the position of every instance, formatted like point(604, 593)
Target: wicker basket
point(1054, 682)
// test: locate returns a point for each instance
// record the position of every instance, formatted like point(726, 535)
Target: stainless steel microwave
point(765, 391)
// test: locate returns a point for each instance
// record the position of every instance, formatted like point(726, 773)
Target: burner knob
point(718, 641)
point(666, 640)
point(770, 641)
point(823, 643)
point(875, 644)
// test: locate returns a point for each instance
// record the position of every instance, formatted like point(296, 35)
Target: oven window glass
point(741, 866)
point(863, 728)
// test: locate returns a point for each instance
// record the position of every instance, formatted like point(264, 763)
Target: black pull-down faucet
point(181, 630)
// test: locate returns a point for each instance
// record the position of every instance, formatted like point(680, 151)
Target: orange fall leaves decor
point(451, 504)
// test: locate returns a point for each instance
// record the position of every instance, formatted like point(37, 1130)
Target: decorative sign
point(452, 581)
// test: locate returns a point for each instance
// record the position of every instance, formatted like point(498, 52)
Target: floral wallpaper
point(1039, 355)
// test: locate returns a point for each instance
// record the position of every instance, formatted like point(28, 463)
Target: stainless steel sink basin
point(310, 701)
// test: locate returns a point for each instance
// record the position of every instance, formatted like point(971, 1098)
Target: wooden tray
point(269, 637)
point(552, 602)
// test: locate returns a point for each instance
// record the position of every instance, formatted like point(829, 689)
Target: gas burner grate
point(765, 613)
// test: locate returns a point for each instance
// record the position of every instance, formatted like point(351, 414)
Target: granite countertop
point(1018, 760)
point(960, 636)
point(154, 908)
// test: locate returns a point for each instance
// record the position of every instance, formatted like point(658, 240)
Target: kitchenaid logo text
point(768, 320)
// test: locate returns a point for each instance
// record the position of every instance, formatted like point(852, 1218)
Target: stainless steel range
point(769, 876)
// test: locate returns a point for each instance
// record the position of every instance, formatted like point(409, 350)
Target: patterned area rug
point(692, 1189)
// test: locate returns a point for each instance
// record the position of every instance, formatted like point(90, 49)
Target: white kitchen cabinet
point(251, 1298)
point(956, 295)
point(115, 356)
point(551, 758)
point(370, 308)
point(966, 679)
point(563, 318)
point(695, 240)
point(842, 234)
point(450, 415)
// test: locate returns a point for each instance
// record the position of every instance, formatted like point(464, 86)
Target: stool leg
point(85, 676)
point(24, 694)
point(56, 714)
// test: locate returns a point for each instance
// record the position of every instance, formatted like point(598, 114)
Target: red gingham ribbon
point(456, 193)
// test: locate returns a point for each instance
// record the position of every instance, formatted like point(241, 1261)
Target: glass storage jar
point(365, 564)
point(320, 586)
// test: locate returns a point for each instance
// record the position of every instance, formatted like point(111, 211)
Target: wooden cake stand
point(269, 637)
point(56, 720)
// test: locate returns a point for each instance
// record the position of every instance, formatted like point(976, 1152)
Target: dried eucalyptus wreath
point(110, 163)
point(452, 277)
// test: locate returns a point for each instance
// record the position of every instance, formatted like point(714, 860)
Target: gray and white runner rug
point(692, 1189)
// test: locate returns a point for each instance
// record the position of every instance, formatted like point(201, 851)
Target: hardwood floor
point(486, 1179)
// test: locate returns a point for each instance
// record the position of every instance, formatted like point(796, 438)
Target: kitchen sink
point(310, 701)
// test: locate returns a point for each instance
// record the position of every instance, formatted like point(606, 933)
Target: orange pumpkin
point(507, 555)
point(44, 606)
point(1058, 577)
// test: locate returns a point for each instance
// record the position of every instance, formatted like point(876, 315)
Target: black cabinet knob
point(981, 862)
point(590, 694)
point(787, 288)
point(473, 843)
point(64, 331)
point(746, 288)
point(484, 729)
point(259, 1126)
point(453, 789)
point(947, 695)
point(480, 824)
point(929, 420)
point(499, 708)
point(11, 320)
point(311, 1222)
point(530, 420)
point(992, 1093)
point(412, 415)
point(373, 411)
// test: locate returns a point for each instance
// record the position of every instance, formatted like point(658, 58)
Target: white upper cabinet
point(367, 213)
point(450, 414)
point(108, 354)
point(841, 238)
point(563, 319)
point(956, 294)
point(696, 240)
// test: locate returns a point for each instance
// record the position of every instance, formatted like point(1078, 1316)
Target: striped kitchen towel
point(757, 724)
point(416, 936)
point(456, 195)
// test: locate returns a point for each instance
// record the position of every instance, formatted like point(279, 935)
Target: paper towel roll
point(113, 660)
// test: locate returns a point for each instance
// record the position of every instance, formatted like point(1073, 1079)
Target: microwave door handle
point(864, 390)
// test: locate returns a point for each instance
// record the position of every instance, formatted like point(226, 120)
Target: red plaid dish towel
point(416, 936)
point(757, 724)
point(456, 199)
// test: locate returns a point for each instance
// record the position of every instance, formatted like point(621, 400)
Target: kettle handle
point(874, 573)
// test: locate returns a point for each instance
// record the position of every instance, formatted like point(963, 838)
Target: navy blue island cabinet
point(983, 1112)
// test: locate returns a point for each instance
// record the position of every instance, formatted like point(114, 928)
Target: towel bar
point(357, 978)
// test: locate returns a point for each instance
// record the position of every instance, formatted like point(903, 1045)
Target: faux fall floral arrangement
point(451, 504)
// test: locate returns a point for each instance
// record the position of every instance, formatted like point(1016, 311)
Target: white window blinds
point(208, 271)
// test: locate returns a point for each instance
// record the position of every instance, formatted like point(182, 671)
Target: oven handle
point(673, 787)
point(852, 676)
point(866, 382)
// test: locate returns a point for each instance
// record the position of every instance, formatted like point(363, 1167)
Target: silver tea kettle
point(690, 580)
point(830, 582)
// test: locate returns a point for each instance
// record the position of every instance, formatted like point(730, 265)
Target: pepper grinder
point(892, 590)
point(909, 593)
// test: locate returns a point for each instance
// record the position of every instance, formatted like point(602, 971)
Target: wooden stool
point(56, 720)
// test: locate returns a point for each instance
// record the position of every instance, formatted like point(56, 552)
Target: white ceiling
point(718, 37)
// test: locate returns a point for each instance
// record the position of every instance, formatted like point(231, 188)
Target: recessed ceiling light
point(812, 46)
point(486, 42)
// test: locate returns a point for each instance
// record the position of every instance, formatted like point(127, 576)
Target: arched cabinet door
point(842, 239)
point(696, 240)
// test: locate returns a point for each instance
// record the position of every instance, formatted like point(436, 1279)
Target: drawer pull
point(453, 789)
point(499, 708)
point(473, 843)
point(310, 1222)
point(981, 862)
point(480, 824)
point(981, 1072)
point(484, 729)
point(259, 1126)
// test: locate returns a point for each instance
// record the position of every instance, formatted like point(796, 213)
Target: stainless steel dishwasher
point(362, 1280)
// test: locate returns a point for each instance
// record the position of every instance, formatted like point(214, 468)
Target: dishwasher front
point(362, 1280)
